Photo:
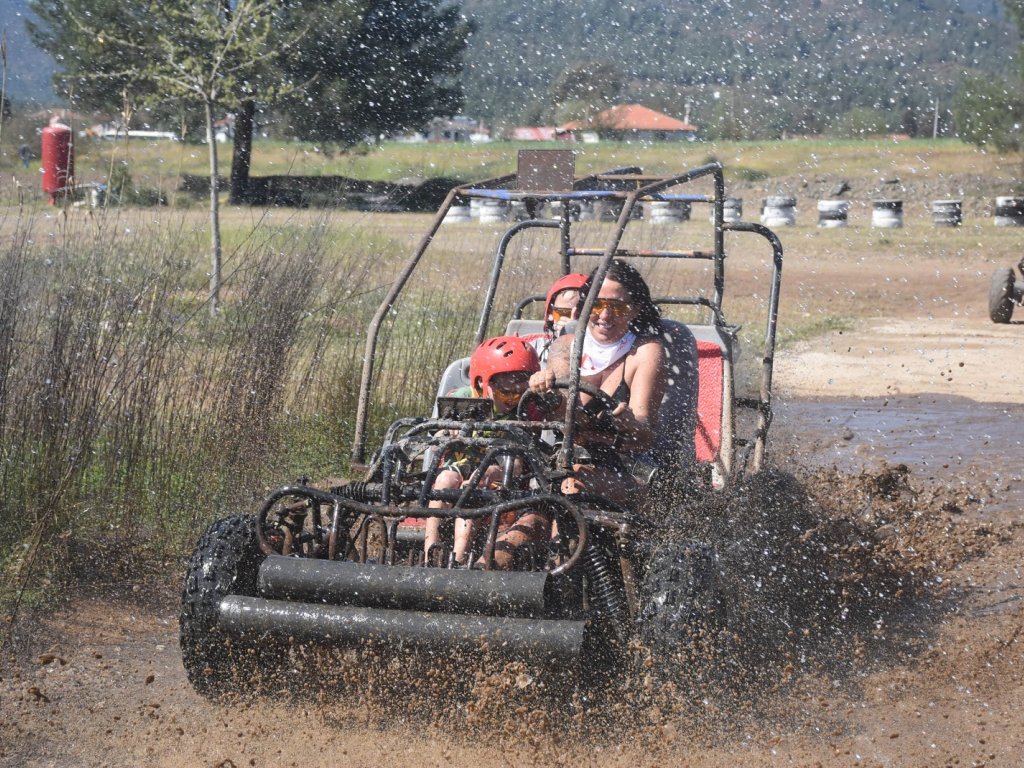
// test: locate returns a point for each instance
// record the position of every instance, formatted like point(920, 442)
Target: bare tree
point(200, 51)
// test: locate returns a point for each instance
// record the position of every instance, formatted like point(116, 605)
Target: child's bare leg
point(528, 528)
point(447, 480)
point(464, 530)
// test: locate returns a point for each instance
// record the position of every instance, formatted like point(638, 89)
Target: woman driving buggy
point(623, 356)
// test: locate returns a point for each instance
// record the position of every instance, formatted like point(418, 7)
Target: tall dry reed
point(129, 419)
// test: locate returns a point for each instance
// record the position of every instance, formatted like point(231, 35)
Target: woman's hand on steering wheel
point(542, 386)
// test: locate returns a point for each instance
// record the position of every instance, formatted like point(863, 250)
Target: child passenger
point(560, 307)
point(500, 368)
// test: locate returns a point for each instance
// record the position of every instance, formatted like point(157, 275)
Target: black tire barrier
point(1009, 212)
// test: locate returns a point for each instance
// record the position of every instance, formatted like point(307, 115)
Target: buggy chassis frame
point(290, 574)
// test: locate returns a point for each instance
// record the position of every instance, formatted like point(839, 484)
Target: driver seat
point(674, 434)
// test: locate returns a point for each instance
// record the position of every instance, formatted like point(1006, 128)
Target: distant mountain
point(795, 62)
point(768, 67)
point(29, 70)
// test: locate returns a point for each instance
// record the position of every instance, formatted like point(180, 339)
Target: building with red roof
point(634, 121)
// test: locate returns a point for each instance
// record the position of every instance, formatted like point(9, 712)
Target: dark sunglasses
point(562, 313)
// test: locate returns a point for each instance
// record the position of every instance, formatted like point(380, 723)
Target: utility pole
point(935, 122)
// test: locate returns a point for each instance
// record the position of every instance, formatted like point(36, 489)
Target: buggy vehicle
point(1004, 292)
point(345, 565)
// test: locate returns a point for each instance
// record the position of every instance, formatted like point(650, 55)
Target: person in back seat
point(500, 368)
point(561, 306)
point(623, 355)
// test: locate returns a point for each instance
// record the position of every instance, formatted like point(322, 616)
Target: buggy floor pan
point(539, 640)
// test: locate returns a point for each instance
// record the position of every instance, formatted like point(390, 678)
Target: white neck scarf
point(597, 356)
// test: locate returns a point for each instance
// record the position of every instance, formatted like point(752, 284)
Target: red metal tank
point(58, 160)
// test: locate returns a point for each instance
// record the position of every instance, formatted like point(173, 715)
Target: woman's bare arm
point(637, 419)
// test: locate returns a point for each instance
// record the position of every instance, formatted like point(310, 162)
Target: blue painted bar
point(592, 194)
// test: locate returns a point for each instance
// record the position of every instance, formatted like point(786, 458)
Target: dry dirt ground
point(924, 379)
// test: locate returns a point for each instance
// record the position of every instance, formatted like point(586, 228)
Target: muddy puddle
point(877, 615)
point(941, 439)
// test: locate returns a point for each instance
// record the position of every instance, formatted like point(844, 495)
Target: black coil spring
point(360, 491)
point(605, 595)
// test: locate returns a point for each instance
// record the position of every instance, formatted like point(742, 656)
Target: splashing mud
point(825, 582)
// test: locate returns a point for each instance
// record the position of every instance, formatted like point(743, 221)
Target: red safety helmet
point(501, 354)
point(574, 281)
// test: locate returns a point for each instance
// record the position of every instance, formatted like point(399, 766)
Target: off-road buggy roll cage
point(325, 565)
point(632, 188)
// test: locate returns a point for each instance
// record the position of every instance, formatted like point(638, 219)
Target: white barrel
point(493, 211)
point(555, 209)
point(587, 210)
point(947, 213)
point(732, 210)
point(1009, 212)
point(779, 212)
point(474, 207)
point(457, 214)
point(833, 213)
point(667, 211)
point(887, 214)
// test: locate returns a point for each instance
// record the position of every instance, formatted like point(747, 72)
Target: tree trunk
point(211, 140)
point(241, 159)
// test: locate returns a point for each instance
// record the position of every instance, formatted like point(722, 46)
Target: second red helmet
point(501, 354)
point(571, 282)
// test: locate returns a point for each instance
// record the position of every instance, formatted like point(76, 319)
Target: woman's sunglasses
point(614, 307)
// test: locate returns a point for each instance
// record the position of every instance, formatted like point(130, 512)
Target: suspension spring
point(360, 491)
point(605, 592)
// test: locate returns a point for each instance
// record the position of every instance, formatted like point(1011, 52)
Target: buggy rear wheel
point(1000, 295)
point(679, 603)
point(225, 562)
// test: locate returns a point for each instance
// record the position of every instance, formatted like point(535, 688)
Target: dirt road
point(937, 682)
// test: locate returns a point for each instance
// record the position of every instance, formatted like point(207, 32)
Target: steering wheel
point(601, 419)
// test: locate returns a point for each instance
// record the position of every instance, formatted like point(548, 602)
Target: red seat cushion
point(709, 400)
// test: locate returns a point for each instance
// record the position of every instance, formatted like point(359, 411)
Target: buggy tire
point(225, 562)
point(679, 600)
point(1000, 295)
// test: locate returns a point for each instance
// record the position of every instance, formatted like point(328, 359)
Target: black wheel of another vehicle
point(225, 562)
point(1000, 295)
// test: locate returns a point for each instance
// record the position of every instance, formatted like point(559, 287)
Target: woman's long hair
point(648, 319)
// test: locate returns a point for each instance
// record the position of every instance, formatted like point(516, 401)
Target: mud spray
point(818, 578)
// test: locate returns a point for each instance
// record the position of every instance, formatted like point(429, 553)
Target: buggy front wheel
point(225, 562)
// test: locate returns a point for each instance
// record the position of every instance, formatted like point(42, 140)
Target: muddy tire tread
point(1000, 295)
point(225, 562)
point(678, 595)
